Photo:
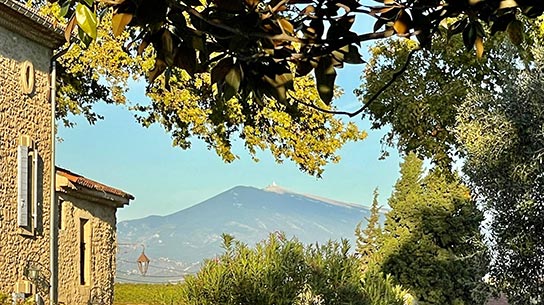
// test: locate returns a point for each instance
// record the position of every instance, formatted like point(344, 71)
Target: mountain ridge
point(190, 235)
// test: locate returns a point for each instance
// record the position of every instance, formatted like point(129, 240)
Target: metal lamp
point(143, 263)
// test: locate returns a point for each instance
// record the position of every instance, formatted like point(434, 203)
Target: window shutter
point(22, 187)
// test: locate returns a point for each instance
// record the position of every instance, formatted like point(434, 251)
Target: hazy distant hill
point(177, 243)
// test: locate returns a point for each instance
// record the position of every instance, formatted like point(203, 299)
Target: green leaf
point(280, 84)
point(469, 36)
point(64, 9)
point(353, 56)
point(457, 27)
point(85, 39)
point(325, 75)
point(220, 70)
point(230, 84)
point(234, 77)
point(86, 19)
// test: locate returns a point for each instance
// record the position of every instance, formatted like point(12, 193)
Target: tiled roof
point(91, 184)
point(29, 22)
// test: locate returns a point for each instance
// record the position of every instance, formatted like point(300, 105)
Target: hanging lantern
point(143, 263)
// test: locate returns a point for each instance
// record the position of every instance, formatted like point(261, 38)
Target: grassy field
point(146, 294)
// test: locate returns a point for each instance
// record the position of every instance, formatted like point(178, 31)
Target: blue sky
point(119, 152)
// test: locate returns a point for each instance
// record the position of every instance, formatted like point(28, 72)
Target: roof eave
point(27, 22)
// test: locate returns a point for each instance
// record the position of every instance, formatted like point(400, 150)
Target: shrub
point(277, 271)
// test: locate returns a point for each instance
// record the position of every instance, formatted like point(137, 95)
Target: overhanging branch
point(374, 97)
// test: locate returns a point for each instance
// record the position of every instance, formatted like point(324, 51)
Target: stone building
point(87, 242)
point(27, 41)
point(29, 265)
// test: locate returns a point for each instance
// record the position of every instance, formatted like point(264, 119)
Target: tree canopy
point(254, 48)
point(431, 243)
point(421, 106)
point(503, 139)
point(449, 104)
point(189, 110)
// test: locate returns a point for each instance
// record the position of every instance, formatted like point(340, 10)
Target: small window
point(60, 216)
point(84, 251)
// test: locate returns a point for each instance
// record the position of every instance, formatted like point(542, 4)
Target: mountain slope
point(247, 213)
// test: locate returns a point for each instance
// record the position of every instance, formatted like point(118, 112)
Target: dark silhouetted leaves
point(325, 75)
point(515, 32)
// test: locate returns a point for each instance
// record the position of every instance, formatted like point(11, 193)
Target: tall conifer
point(432, 243)
point(369, 238)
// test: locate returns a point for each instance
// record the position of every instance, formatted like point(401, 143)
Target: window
point(60, 216)
point(28, 188)
point(84, 251)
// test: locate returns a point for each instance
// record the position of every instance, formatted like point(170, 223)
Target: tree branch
point(372, 98)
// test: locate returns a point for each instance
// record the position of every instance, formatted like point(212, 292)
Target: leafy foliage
point(277, 271)
point(307, 137)
point(190, 110)
point(472, 123)
point(368, 240)
point(382, 290)
point(503, 138)
point(432, 243)
point(4, 299)
point(249, 45)
point(421, 106)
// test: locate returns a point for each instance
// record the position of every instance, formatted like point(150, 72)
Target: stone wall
point(101, 223)
point(23, 114)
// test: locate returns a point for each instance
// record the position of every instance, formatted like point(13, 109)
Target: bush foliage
point(280, 271)
point(277, 271)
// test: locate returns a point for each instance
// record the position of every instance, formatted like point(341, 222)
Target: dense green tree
point(368, 239)
point(279, 271)
point(421, 107)
point(432, 243)
point(484, 122)
point(504, 143)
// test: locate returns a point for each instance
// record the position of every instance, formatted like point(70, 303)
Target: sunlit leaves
point(86, 19)
point(421, 105)
point(432, 236)
point(503, 140)
point(479, 45)
point(279, 271)
point(403, 23)
point(119, 21)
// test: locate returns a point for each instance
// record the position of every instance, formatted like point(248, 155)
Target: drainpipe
point(53, 210)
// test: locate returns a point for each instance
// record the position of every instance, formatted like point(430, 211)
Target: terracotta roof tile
point(91, 184)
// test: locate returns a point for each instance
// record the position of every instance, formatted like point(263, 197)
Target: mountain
point(178, 243)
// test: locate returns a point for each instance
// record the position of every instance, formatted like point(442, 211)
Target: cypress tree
point(367, 241)
point(431, 242)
